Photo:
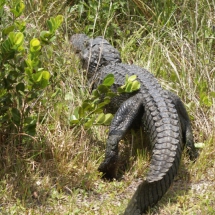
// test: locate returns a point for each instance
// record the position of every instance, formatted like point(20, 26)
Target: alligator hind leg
point(186, 126)
point(122, 121)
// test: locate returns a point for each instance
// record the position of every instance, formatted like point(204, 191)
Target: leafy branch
point(91, 112)
point(22, 77)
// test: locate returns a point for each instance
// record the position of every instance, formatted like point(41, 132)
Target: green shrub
point(23, 77)
point(91, 112)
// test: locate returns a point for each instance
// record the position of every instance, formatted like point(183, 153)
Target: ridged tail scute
point(163, 125)
point(162, 170)
point(150, 191)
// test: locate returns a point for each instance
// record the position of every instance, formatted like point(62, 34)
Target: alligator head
point(94, 53)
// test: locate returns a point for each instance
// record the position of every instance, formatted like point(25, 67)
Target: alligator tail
point(165, 135)
point(149, 192)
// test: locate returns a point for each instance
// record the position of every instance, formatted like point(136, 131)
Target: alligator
point(159, 111)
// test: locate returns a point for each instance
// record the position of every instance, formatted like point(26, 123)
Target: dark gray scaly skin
point(161, 112)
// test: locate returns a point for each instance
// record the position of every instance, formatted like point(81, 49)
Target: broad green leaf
point(74, 119)
point(95, 93)
point(109, 80)
point(6, 45)
point(131, 85)
point(97, 111)
point(7, 30)
point(102, 88)
point(96, 101)
point(13, 42)
point(87, 106)
point(59, 20)
point(50, 24)
point(35, 42)
point(111, 94)
point(18, 39)
point(100, 119)
point(35, 45)
point(90, 122)
point(16, 116)
point(43, 83)
point(37, 76)
point(11, 38)
point(45, 36)
point(104, 103)
point(76, 113)
point(40, 69)
point(54, 23)
point(30, 127)
point(28, 71)
point(35, 61)
point(29, 63)
point(108, 119)
point(81, 112)
point(21, 25)
point(18, 10)
point(121, 89)
point(128, 87)
point(135, 86)
point(46, 75)
point(132, 78)
point(52, 38)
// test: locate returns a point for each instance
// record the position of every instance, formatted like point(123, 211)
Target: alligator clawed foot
point(109, 167)
point(193, 153)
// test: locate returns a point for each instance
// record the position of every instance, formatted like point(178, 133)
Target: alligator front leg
point(122, 121)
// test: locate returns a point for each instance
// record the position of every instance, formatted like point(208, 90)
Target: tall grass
point(56, 172)
point(179, 50)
